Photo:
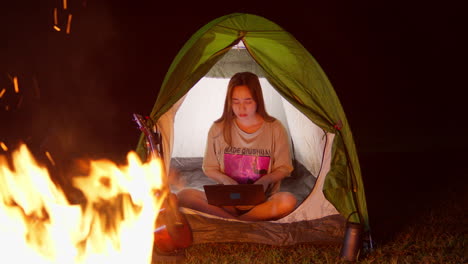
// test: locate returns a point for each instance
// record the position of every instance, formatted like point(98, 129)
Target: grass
point(437, 236)
point(257, 253)
point(440, 236)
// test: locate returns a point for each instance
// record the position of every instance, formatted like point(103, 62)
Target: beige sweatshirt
point(251, 155)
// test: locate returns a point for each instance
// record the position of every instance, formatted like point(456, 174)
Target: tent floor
point(207, 228)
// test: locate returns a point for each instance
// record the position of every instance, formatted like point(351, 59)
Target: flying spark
point(20, 101)
point(69, 23)
point(55, 16)
point(50, 158)
point(2, 92)
point(15, 83)
point(4, 147)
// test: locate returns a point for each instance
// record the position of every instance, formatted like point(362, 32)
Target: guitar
point(172, 230)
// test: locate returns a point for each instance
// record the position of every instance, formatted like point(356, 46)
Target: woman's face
point(243, 104)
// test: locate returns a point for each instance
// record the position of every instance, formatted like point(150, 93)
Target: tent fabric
point(208, 229)
point(294, 73)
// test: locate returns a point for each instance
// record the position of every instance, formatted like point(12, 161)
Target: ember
point(69, 23)
point(4, 147)
point(55, 16)
point(50, 158)
point(15, 83)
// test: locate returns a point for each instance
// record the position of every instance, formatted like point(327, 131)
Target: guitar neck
point(153, 140)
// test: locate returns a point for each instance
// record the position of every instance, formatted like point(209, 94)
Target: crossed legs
point(277, 206)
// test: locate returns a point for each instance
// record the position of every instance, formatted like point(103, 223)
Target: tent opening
point(203, 104)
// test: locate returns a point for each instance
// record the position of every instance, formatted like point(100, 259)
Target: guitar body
point(172, 230)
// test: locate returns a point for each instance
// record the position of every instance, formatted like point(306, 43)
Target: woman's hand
point(265, 181)
point(270, 178)
point(220, 177)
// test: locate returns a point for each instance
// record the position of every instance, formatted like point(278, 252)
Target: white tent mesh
point(204, 103)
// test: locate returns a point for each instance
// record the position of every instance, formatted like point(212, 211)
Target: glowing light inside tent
point(115, 225)
point(239, 45)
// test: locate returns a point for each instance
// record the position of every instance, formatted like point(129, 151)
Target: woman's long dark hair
point(252, 82)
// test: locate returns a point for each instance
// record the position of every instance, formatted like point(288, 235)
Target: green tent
point(321, 137)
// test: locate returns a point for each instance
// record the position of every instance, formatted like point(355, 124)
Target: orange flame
point(39, 225)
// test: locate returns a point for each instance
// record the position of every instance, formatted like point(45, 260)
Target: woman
point(246, 145)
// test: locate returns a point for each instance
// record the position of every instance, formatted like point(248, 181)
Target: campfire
point(115, 223)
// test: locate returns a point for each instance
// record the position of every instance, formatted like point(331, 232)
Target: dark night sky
point(396, 68)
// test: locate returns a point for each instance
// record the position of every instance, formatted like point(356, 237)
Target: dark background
point(396, 67)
